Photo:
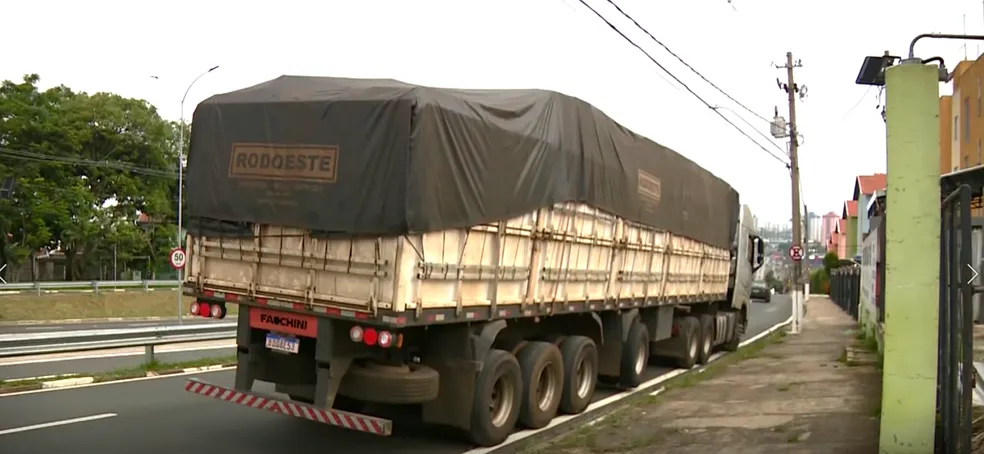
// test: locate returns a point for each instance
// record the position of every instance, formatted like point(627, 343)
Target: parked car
point(761, 291)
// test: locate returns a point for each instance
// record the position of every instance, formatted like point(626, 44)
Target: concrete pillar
point(908, 416)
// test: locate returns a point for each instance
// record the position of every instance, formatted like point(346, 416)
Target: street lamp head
point(213, 68)
point(873, 70)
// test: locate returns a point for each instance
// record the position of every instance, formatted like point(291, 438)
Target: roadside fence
point(40, 288)
point(14, 345)
point(845, 288)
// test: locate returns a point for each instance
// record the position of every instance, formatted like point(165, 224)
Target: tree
point(85, 166)
point(830, 261)
point(820, 280)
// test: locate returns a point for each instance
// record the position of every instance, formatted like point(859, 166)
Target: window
point(956, 128)
point(966, 120)
point(978, 96)
point(966, 161)
point(979, 156)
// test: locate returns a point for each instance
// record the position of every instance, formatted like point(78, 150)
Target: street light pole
point(181, 127)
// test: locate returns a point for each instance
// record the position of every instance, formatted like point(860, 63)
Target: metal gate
point(955, 369)
point(845, 288)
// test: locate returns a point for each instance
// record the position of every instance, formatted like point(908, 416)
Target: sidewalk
point(801, 394)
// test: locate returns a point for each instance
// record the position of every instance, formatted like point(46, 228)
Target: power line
point(855, 106)
point(754, 128)
point(627, 16)
point(69, 160)
point(677, 79)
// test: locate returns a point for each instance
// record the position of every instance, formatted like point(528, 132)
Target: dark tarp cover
point(380, 157)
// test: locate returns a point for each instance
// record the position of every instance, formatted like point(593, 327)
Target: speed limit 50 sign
point(177, 258)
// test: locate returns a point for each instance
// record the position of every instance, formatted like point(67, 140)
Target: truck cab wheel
point(707, 323)
point(735, 341)
point(497, 398)
point(542, 368)
point(635, 356)
point(580, 373)
point(689, 332)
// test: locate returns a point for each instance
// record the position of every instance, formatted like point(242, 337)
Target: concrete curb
point(70, 382)
point(67, 382)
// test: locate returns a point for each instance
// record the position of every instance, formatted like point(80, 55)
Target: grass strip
point(143, 370)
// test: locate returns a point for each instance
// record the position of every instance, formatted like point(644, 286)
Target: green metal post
point(908, 418)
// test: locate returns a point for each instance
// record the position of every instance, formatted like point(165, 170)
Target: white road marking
point(117, 382)
point(44, 328)
point(57, 423)
point(115, 355)
point(771, 309)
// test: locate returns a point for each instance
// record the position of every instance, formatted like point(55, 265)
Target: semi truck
point(485, 256)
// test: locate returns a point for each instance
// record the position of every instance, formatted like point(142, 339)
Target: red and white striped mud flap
point(343, 419)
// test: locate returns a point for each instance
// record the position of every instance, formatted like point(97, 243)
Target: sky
point(154, 50)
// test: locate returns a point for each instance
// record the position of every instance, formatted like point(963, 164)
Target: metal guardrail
point(83, 286)
point(12, 345)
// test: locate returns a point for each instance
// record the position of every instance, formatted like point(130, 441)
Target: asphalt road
point(54, 327)
point(158, 416)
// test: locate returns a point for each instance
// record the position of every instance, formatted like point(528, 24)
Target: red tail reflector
point(369, 337)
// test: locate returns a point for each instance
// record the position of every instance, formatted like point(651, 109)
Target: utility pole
point(792, 90)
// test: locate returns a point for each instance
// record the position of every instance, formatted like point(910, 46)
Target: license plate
point(280, 343)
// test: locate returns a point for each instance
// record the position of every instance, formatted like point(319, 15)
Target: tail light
point(218, 311)
point(385, 339)
point(372, 337)
point(356, 334)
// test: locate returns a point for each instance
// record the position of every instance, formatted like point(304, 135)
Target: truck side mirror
point(759, 252)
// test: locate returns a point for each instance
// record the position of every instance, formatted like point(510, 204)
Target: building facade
point(961, 120)
point(828, 223)
point(865, 187)
point(814, 228)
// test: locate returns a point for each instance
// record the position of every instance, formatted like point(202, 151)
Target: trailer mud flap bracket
point(343, 419)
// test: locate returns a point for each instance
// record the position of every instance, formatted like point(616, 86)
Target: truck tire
point(542, 367)
point(734, 342)
point(580, 373)
point(689, 332)
point(497, 398)
point(390, 384)
point(635, 356)
point(707, 322)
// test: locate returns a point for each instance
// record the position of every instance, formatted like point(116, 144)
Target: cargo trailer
point(487, 255)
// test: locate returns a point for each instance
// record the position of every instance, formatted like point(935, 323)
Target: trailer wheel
point(497, 398)
point(635, 356)
point(689, 330)
point(706, 323)
point(736, 334)
point(390, 384)
point(542, 367)
point(580, 373)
